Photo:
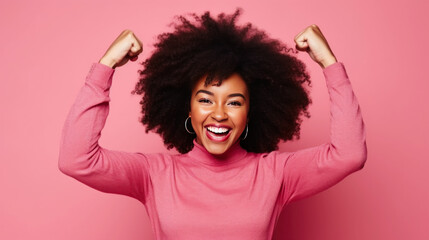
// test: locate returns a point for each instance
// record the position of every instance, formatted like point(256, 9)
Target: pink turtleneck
point(198, 196)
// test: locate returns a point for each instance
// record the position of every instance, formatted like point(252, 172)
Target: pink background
point(46, 50)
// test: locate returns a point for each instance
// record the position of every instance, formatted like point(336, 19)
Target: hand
point(125, 47)
point(312, 41)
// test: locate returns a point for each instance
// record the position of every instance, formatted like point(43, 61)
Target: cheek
point(240, 118)
point(197, 114)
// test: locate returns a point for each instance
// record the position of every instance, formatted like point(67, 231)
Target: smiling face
point(219, 113)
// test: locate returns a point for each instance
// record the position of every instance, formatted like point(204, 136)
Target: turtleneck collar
point(230, 158)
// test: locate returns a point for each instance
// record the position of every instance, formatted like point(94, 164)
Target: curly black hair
point(218, 48)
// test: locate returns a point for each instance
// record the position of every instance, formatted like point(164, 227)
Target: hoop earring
point(186, 126)
point(247, 130)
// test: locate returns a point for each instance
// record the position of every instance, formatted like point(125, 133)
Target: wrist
point(327, 62)
point(107, 62)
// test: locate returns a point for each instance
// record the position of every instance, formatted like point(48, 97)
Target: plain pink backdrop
point(46, 50)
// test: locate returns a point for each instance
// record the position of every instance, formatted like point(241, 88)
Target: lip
point(215, 138)
point(218, 126)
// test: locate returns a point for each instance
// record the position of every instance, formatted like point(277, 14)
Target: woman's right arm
point(80, 156)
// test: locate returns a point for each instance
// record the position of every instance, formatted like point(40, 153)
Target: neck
point(231, 157)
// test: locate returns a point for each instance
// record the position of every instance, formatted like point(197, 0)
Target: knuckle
point(125, 32)
point(128, 33)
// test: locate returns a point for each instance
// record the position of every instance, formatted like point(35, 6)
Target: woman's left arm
point(313, 170)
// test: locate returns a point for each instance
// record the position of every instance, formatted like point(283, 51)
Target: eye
point(204, 100)
point(235, 103)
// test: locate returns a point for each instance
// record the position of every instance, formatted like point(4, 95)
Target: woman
point(223, 96)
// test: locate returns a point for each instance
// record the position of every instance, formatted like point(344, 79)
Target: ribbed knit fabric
point(198, 196)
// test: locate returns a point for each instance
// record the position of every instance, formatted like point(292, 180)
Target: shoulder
point(159, 161)
point(274, 160)
point(274, 155)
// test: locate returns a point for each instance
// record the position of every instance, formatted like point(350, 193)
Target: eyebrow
point(212, 94)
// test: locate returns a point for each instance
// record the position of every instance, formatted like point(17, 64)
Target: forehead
point(232, 84)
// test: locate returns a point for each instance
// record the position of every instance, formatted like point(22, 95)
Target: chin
point(217, 148)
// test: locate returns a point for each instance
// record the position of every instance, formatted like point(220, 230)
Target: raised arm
point(313, 170)
point(80, 155)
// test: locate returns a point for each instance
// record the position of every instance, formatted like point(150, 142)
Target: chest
point(227, 203)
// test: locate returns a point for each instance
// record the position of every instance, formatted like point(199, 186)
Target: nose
point(219, 114)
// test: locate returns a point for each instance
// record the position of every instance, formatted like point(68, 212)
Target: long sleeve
point(313, 170)
point(80, 155)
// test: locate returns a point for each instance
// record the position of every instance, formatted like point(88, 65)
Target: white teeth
point(217, 130)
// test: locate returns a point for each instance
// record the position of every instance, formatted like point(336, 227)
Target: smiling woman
point(243, 93)
point(219, 113)
point(214, 50)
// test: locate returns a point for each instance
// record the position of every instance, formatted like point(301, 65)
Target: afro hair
point(217, 47)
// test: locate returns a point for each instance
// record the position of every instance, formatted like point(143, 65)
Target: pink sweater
point(197, 196)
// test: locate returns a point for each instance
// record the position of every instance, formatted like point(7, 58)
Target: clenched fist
point(125, 47)
point(312, 41)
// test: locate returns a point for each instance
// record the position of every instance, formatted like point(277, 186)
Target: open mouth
point(218, 130)
point(218, 134)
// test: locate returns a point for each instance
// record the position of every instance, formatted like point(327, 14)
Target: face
point(219, 113)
